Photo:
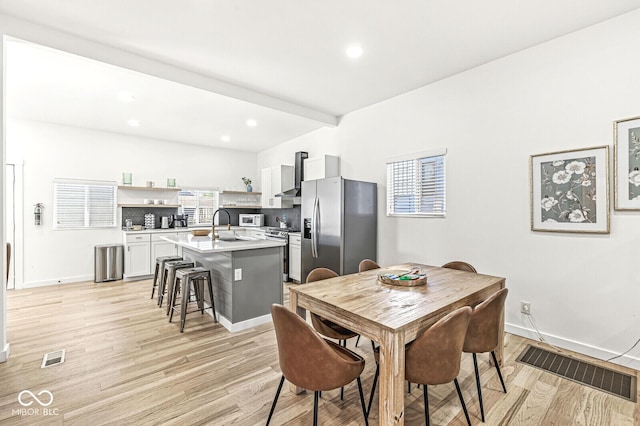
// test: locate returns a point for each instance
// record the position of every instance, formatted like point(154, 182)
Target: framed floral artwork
point(626, 170)
point(570, 191)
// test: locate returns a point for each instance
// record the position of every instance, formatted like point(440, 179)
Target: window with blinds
point(199, 205)
point(80, 204)
point(416, 185)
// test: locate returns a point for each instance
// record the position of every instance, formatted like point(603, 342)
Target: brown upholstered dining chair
point(434, 357)
point(311, 362)
point(459, 265)
point(482, 334)
point(8, 261)
point(323, 326)
point(367, 264)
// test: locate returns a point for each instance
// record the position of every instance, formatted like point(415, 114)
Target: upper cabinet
point(321, 167)
point(274, 181)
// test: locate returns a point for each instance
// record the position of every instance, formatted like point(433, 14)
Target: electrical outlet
point(525, 308)
point(237, 274)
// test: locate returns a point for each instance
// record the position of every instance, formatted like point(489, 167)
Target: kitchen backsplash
point(136, 214)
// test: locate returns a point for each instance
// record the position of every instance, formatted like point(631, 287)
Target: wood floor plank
point(127, 365)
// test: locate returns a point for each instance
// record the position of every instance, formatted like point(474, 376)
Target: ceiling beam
point(28, 31)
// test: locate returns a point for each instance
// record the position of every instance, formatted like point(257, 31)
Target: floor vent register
point(612, 382)
point(53, 358)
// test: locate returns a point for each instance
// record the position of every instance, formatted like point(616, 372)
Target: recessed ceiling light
point(354, 51)
point(133, 122)
point(252, 123)
point(126, 97)
point(225, 138)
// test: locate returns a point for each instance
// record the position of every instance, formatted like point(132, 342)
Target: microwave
point(251, 219)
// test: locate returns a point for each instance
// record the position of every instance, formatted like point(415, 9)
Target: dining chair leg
point(475, 367)
point(373, 346)
point(364, 411)
point(373, 388)
point(275, 400)
point(357, 340)
point(464, 406)
point(409, 387)
point(315, 408)
point(342, 343)
point(425, 397)
point(495, 361)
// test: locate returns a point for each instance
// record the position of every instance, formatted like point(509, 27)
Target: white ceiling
point(290, 50)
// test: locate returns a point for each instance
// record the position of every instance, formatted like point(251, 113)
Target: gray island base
point(246, 275)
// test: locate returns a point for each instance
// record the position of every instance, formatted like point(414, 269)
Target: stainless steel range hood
point(298, 176)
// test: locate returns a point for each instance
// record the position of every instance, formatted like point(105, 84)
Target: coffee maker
point(179, 220)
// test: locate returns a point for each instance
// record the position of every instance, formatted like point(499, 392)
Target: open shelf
point(146, 188)
point(151, 206)
point(240, 207)
point(240, 193)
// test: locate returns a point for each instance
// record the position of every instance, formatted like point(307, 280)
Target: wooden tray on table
point(409, 278)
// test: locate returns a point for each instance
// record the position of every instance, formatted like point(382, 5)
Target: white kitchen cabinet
point(295, 266)
point(274, 181)
point(257, 233)
point(136, 255)
point(321, 167)
point(160, 247)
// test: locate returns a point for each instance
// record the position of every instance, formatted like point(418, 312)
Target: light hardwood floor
point(125, 364)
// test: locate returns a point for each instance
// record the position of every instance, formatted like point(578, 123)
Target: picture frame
point(570, 191)
point(626, 167)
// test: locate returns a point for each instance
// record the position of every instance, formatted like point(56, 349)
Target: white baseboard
point(68, 280)
point(4, 354)
point(581, 348)
point(238, 326)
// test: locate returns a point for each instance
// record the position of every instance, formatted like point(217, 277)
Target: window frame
point(416, 185)
point(88, 209)
point(199, 192)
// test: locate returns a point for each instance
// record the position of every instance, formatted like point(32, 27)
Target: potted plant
point(247, 183)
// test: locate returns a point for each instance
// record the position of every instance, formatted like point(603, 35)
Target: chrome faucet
point(213, 223)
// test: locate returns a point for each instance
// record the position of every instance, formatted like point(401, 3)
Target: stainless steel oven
point(279, 234)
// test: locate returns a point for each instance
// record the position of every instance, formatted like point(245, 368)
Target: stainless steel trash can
point(108, 262)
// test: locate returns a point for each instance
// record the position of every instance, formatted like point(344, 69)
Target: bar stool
point(158, 275)
point(169, 276)
point(186, 278)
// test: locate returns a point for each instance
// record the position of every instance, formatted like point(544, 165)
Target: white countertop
point(156, 231)
point(206, 245)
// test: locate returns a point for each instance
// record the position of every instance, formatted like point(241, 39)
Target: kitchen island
point(246, 275)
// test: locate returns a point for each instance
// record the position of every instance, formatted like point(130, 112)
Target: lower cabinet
point(142, 249)
point(295, 267)
point(136, 255)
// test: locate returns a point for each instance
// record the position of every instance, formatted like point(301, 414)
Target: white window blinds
point(416, 185)
point(199, 205)
point(80, 204)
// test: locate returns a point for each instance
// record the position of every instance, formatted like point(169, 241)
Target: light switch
point(237, 274)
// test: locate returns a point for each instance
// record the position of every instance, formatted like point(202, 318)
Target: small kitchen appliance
point(180, 220)
point(164, 222)
point(251, 219)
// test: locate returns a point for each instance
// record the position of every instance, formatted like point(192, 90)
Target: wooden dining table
point(393, 315)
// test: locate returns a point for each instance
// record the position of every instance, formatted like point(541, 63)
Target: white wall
point(564, 94)
point(52, 151)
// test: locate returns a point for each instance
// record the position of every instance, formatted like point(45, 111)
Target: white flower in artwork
point(561, 177)
point(586, 182)
point(576, 216)
point(634, 177)
point(549, 220)
point(575, 167)
point(636, 198)
point(571, 195)
point(548, 202)
point(558, 163)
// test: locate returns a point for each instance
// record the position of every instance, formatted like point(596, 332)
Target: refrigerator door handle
point(314, 229)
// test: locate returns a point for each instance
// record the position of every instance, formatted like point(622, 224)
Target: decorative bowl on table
point(412, 277)
point(200, 232)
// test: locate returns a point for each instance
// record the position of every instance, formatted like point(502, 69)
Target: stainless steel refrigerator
point(339, 221)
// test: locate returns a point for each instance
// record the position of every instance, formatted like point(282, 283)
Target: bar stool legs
point(186, 278)
point(158, 275)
